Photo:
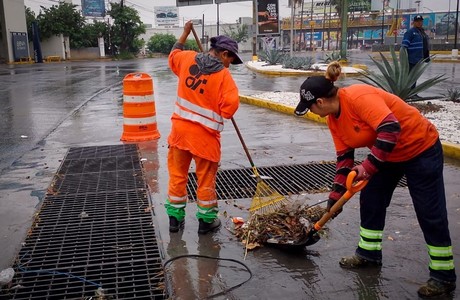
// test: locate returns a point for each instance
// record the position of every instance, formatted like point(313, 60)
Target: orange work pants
point(178, 166)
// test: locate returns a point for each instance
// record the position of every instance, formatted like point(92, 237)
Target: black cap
point(227, 43)
point(311, 89)
point(418, 18)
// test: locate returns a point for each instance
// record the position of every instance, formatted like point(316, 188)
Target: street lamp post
point(418, 5)
point(383, 18)
point(456, 26)
point(448, 25)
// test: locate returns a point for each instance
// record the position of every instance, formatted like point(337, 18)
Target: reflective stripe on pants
point(178, 167)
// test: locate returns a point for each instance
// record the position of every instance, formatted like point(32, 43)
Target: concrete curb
point(450, 150)
point(290, 72)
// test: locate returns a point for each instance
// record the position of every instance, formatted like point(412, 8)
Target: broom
point(266, 199)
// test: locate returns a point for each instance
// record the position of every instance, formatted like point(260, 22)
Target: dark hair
point(219, 50)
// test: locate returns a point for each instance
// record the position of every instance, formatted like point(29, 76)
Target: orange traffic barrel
point(139, 115)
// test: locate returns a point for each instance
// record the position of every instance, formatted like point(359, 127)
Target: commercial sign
point(93, 8)
point(268, 22)
point(166, 15)
point(192, 2)
point(361, 5)
point(20, 45)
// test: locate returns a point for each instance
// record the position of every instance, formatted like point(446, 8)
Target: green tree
point(191, 45)
point(30, 17)
point(161, 43)
point(89, 34)
point(126, 28)
point(60, 19)
point(239, 34)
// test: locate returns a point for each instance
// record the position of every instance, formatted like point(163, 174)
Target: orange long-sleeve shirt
point(215, 92)
point(362, 110)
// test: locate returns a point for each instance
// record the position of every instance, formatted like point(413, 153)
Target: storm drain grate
point(290, 179)
point(94, 231)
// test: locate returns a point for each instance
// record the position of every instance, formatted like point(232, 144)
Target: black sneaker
point(356, 262)
point(175, 225)
point(204, 227)
point(433, 288)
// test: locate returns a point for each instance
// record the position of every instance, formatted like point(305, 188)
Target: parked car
point(161, 15)
point(171, 15)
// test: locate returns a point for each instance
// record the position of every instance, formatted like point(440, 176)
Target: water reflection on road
point(69, 104)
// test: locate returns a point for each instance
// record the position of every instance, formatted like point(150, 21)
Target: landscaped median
point(316, 69)
point(450, 150)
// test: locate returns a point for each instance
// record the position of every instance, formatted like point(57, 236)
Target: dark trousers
point(424, 175)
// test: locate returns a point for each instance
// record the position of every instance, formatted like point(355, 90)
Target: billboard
point(192, 2)
point(93, 8)
point(268, 22)
point(166, 15)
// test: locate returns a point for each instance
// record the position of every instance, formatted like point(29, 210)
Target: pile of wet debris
point(287, 227)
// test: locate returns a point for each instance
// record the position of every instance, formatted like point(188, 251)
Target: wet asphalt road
point(48, 108)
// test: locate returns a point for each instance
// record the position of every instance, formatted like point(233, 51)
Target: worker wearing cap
point(402, 143)
point(206, 95)
point(415, 41)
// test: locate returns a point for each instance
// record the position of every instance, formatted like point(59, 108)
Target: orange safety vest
point(203, 101)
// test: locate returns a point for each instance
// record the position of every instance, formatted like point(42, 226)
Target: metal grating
point(291, 179)
point(93, 231)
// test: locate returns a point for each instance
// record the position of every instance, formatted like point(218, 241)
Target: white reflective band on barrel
point(139, 121)
point(138, 99)
point(197, 118)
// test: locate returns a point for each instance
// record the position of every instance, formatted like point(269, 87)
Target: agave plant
point(333, 56)
point(452, 95)
point(397, 79)
point(272, 56)
point(298, 63)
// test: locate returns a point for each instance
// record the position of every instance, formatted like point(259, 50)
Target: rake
point(266, 199)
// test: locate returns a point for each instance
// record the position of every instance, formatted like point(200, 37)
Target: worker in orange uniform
point(206, 95)
point(401, 142)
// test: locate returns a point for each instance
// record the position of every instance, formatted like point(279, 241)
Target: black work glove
point(330, 203)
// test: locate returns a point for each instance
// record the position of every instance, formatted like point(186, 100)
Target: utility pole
point(217, 18)
point(448, 25)
point(254, 30)
point(292, 26)
point(301, 23)
point(383, 19)
point(456, 28)
point(324, 23)
point(343, 48)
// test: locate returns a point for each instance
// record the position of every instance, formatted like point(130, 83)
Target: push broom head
point(266, 200)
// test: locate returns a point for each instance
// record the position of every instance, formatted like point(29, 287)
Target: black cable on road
point(166, 263)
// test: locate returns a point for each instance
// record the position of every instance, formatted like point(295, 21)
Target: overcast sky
point(228, 12)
